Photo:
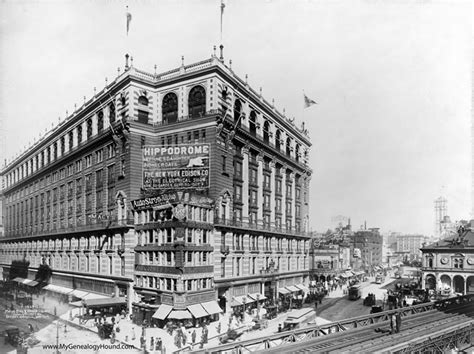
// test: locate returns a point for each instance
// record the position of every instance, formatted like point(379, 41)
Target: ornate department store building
point(183, 191)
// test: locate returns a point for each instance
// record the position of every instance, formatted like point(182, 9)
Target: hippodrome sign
point(176, 167)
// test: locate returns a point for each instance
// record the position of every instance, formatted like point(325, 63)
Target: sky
point(391, 130)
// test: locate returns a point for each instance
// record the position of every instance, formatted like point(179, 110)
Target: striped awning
point(162, 312)
point(179, 315)
point(197, 311)
point(211, 307)
point(284, 291)
point(258, 296)
point(293, 289)
point(79, 294)
point(302, 287)
point(58, 289)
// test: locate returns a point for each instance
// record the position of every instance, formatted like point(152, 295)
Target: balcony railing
point(255, 226)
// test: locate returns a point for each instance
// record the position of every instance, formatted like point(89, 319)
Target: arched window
point(143, 100)
point(297, 152)
point(288, 146)
point(266, 131)
point(237, 112)
point(89, 128)
point(100, 121)
point(79, 134)
point(253, 123)
point(111, 112)
point(169, 108)
point(278, 139)
point(71, 140)
point(197, 102)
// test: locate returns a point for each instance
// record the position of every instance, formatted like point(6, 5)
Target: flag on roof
point(308, 101)
point(129, 19)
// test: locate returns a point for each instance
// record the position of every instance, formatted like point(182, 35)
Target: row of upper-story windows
point(170, 284)
point(70, 140)
point(71, 169)
point(270, 132)
point(265, 243)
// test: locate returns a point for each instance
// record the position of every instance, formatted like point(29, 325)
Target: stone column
point(293, 203)
point(260, 190)
point(283, 197)
point(245, 186)
point(272, 195)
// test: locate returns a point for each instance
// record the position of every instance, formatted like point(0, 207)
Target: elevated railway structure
point(435, 327)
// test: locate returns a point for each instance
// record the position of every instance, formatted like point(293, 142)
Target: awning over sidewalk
point(197, 310)
point(79, 293)
point(284, 291)
point(58, 289)
point(241, 300)
point(19, 280)
point(302, 287)
point(111, 301)
point(30, 282)
point(211, 307)
point(91, 296)
point(257, 296)
point(76, 303)
point(179, 315)
point(162, 312)
point(293, 289)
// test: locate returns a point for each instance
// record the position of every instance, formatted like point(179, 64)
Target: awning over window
point(284, 291)
point(19, 280)
point(30, 282)
point(111, 301)
point(211, 307)
point(179, 315)
point(197, 310)
point(76, 303)
point(302, 287)
point(91, 296)
point(258, 296)
point(241, 300)
point(293, 289)
point(162, 312)
point(58, 289)
point(79, 293)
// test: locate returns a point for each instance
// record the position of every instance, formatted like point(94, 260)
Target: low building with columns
point(176, 190)
point(448, 264)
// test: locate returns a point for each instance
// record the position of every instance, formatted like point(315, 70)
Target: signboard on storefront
point(156, 201)
point(176, 167)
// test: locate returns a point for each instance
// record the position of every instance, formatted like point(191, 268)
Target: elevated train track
point(423, 326)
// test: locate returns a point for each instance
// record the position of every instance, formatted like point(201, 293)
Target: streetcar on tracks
point(355, 292)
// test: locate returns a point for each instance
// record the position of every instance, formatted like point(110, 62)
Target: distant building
point(370, 243)
point(409, 246)
point(440, 210)
point(448, 264)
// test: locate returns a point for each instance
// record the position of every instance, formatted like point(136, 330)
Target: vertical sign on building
point(176, 167)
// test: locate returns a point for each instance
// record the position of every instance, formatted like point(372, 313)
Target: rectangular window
point(111, 174)
point(88, 160)
point(111, 151)
point(237, 193)
point(223, 164)
point(99, 180)
point(78, 166)
point(98, 156)
point(238, 169)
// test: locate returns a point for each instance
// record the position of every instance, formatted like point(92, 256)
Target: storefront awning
point(302, 287)
point(79, 294)
point(91, 296)
point(162, 312)
point(197, 311)
point(179, 315)
point(111, 301)
point(76, 303)
point(30, 282)
point(241, 300)
point(257, 296)
point(19, 280)
point(283, 291)
point(211, 307)
point(293, 289)
point(58, 289)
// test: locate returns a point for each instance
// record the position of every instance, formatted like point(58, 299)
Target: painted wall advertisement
point(176, 167)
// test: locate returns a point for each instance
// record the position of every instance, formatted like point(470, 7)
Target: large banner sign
point(176, 167)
